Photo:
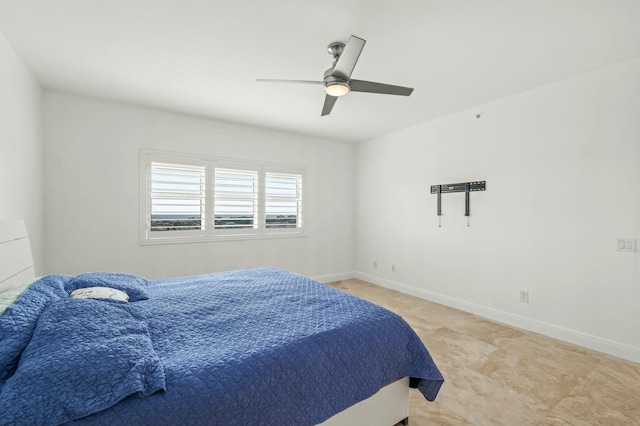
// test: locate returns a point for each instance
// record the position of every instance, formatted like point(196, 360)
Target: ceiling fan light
point(337, 89)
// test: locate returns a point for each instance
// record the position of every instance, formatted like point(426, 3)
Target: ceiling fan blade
point(270, 80)
point(385, 89)
point(347, 60)
point(329, 102)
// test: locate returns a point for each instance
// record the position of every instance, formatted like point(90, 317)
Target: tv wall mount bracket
point(466, 187)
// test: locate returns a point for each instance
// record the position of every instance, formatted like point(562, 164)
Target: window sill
point(222, 238)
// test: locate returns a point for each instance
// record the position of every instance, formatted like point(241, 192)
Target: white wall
point(562, 165)
point(21, 148)
point(92, 192)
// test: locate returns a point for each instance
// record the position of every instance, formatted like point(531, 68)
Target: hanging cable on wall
point(466, 187)
point(439, 192)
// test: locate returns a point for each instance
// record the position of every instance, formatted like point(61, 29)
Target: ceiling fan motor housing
point(329, 78)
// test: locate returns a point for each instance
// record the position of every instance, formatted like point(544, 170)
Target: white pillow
point(100, 293)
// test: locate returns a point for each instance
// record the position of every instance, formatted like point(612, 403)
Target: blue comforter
point(260, 346)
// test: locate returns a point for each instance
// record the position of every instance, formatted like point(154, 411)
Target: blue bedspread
point(84, 356)
point(259, 347)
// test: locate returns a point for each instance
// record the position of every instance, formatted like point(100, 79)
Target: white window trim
point(210, 234)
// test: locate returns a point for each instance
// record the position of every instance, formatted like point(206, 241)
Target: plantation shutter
point(177, 197)
point(235, 199)
point(283, 200)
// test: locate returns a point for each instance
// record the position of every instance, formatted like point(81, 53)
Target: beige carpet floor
point(499, 375)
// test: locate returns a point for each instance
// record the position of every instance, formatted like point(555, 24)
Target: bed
point(257, 346)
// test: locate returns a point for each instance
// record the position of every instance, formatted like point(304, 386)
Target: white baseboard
point(599, 344)
point(335, 277)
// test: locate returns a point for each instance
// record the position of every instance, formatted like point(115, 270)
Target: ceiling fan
point(337, 79)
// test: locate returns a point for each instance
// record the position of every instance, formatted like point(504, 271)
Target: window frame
point(210, 233)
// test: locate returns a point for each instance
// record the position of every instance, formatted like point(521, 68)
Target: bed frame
point(16, 261)
point(387, 407)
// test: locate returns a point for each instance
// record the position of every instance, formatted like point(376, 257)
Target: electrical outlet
point(524, 296)
point(375, 264)
point(393, 268)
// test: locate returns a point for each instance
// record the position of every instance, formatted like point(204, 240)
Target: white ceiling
point(202, 57)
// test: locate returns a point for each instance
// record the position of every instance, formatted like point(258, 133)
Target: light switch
point(626, 244)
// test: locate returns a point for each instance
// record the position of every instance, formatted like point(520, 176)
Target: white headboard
point(16, 260)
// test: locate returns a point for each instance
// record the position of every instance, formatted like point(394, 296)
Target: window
point(177, 197)
point(283, 200)
point(235, 199)
point(190, 198)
